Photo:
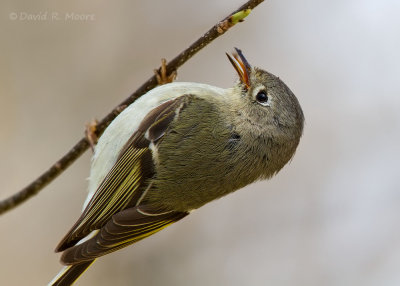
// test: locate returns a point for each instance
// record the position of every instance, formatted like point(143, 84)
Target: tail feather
point(70, 273)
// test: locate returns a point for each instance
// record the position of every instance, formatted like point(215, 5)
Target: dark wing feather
point(68, 276)
point(125, 228)
point(127, 179)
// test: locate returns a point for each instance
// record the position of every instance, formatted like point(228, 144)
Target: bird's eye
point(262, 98)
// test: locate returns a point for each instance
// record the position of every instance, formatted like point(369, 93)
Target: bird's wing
point(127, 179)
point(124, 228)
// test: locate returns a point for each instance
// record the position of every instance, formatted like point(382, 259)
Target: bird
point(176, 148)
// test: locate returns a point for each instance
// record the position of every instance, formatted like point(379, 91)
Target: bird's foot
point(161, 74)
point(90, 133)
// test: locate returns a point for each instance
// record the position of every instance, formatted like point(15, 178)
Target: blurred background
point(331, 217)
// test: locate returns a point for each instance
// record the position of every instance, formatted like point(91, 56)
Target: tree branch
point(80, 147)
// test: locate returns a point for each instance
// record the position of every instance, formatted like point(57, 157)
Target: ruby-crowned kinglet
point(176, 148)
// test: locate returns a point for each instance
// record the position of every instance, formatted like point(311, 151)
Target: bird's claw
point(161, 74)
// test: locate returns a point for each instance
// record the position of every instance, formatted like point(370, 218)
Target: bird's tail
point(70, 273)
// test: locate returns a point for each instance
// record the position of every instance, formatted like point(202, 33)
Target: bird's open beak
point(241, 65)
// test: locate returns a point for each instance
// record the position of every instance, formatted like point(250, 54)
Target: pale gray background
point(331, 217)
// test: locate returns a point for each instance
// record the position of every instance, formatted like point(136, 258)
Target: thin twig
point(80, 147)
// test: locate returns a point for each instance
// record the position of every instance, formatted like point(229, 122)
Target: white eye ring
point(262, 98)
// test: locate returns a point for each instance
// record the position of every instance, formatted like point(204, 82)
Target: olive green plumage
point(245, 142)
point(177, 148)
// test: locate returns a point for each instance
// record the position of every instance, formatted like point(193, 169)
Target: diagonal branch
point(80, 147)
